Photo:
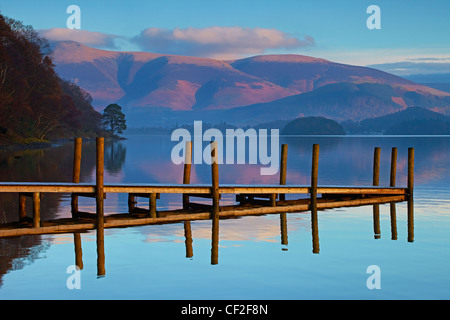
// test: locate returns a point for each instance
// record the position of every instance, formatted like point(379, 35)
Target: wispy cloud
point(218, 42)
point(416, 66)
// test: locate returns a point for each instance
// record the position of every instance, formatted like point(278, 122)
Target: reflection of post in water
point(411, 219)
point(215, 207)
point(376, 182)
point(78, 250)
point(411, 195)
point(376, 221)
point(283, 228)
point(393, 221)
point(314, 218)
point(392, 184)
point(188, 239)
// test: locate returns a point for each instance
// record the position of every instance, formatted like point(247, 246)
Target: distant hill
point(313, 126)
point(439, 81)
point(399, 119)
point(340, 102)
point(158, 89)
point(420, 127)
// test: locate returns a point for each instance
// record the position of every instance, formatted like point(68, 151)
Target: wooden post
point(283, 216)
point(215, 207)
point(393, 167)
point(411, 194)
point(152, 205)
point(76, 171)
point(78, 250)
point(376, 182)
point(273, 200)
point(283, 165)
point(36, 210)
point(22, 206)
point(393, 211)
point(100, 207)
point(314, 179)
point(187, 171)
point(410, 171)
point(376, 167)
point(131, 202)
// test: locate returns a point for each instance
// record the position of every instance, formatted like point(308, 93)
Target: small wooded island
point(313, 126)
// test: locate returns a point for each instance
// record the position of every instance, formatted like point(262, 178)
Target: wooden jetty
point(250, 199)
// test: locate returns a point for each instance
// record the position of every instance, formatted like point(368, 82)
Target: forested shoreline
point(36, 105)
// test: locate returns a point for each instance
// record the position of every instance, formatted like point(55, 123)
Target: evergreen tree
point(113, 119)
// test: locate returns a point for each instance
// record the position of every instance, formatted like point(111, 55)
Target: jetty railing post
point(411, 194)
point(100, 206)
point(283, 165)
point(215, 207)
point(187, 172)
point(314, 180)
point(393, 167)
point(76, 171)
point(376, 182)
point(410, 171)
point(376, 166)
point(152, 205)
point(36, 210)
point(283, 218)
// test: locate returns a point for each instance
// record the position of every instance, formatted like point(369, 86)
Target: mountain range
point(159, 89)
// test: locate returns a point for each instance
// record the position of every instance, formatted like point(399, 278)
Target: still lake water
point(149, 262)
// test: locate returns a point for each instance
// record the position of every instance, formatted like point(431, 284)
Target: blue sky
point(412, 32)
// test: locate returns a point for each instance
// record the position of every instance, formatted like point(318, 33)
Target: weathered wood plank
point(45, 187)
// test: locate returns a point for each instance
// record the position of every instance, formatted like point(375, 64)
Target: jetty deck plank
point(147, 188)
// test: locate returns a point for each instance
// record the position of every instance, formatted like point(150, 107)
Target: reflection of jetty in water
point(283, 236)
point(250, 200)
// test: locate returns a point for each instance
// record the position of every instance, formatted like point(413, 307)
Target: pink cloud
point(89, 38)
point(218, 42)
point(212, 42)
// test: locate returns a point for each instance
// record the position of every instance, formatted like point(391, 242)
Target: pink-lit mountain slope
point(138, 80)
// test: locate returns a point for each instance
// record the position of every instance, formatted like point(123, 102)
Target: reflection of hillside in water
point(343, 161)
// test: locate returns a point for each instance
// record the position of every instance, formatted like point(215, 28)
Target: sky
point(413, 38)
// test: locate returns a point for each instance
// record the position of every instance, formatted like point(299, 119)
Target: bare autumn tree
point(33, 105)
